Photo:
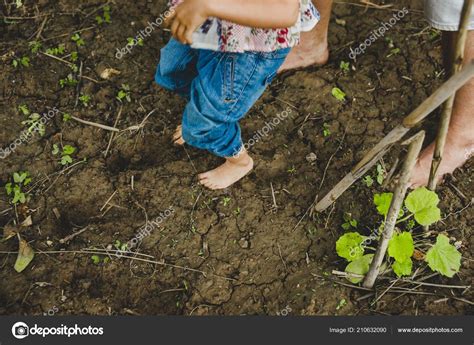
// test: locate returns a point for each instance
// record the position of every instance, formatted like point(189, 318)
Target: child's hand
point(187, 17)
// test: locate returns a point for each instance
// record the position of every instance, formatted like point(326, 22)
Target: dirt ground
point(252, 249)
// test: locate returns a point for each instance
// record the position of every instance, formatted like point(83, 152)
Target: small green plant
point(349, 222)
point(393, 50)
point(292, 170)
point(23, 61)
point(326, 130)
point(65, 154)
point(226, 201)
point(23, 108)
point(68, 81)
point(35, 46)
point(421, 207)
point(66, 117)
point(124, 93)
point(15, 189)
point(34, 124)
point(123, 247)
point(56, 51)
point(381, 173)
point(345, 66)
point(74, 56)
point(105, 17)
point(342, 303)
point(96, 259)
point(85, 100)
point(139, 42)
point(79, 41)
point(338, 94)
point(368, 181)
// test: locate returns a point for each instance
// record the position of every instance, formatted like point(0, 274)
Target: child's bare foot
point(228, 173)
point(178, 136)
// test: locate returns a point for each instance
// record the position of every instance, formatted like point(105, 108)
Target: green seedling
point(139, 42)
point(381, 173)
point(326, 130)
point(79, 41)
point(35, 46)
point(368, 181)
point(123, 247)
point(23, 108)
point(96, 259)
point(226, 201)
point(85, 100)
point(74, 56)
point(292, 170)
point(338, 94)
point(345, 66)
point(422, 208)
point(56, 51)
point(65, 154)
point(16, 188)
point(124, 93)
point(342, 303)
point(68, 81)
point(23, 61)
point(34, 124)
point(105, 18)
point(349, 222)
point(66, 117)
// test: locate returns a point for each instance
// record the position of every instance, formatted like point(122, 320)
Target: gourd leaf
point(423, 203)
point(383, 201)
point(349, 246)
point(402, 268)
point(401, 246)
point(444, 257)
point(360, 266)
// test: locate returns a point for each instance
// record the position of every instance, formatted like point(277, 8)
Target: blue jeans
point(220, 88)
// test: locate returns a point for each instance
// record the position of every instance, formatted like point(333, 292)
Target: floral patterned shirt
point(221, 35)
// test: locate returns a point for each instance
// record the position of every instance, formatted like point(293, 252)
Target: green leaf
point(25, 256)
point(349, 246)
point(66, 159)
point(383, 201)
point(423, 203)
point(402, 268)
point(18, 178)
point(69, 150)
point(401, 246)
point(444, 257)
point(9, 188)
point(338, 94)
point(95, 259)
point(55, 149)
point(360, 266)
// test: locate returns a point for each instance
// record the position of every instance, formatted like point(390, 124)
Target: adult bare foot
point(228, 173)
point(313, 49)
point(456, 153)
point(178, 136)
point(306, 54)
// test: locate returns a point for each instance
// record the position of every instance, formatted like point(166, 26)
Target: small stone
point(311, 157)
point(244, 243)
point(49, 243)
